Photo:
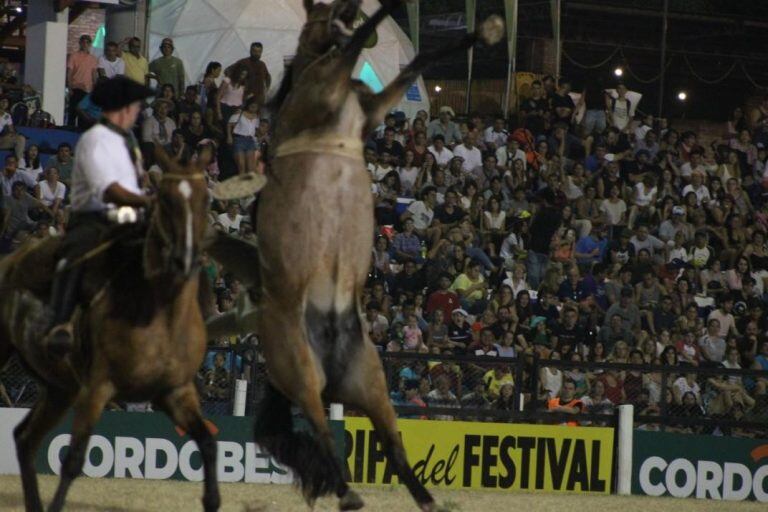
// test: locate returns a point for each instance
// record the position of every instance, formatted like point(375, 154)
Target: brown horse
point(141, 337)
point(315, 229)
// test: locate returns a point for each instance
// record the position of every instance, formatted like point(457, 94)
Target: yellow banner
point(464, 455)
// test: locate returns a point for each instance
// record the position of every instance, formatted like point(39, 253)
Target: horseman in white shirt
point(106, 175)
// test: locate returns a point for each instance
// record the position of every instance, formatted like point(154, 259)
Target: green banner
point(706, 467)
point(149, 446)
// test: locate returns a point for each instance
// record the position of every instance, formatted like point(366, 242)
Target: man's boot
point(60, 338)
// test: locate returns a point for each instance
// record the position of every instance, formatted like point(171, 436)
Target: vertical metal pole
point(625, 430)
point(413, 24)
point(556, 7)
point(471, 12)
point(510, 11)
point(663, 63)
point(664, 406)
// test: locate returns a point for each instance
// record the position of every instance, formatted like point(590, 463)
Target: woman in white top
point(614, 208)
point(51, 191)
point(550, 379)
point(494, 219)
point(645, 199)
point(31, 162)
point(241, 135)
point(408, 174)
point(229, 98)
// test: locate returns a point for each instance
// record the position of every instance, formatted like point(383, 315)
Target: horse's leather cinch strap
point(351, 147)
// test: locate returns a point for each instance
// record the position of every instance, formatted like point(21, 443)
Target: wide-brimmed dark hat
point(119, 92)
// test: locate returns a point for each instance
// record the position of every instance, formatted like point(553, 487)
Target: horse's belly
point(316, 228)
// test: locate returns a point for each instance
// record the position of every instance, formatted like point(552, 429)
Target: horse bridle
point(168, 243)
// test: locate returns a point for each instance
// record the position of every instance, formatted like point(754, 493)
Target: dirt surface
point(121, 495)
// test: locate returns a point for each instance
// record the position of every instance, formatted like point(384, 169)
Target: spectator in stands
point(63, 161)
point(81, 75)
point(445, 127)
point(168, 69)
point(31, 162)
point(17, 224)
point(12, 174)
point(258, 80)
point(51, 192)
point(471, 155)
point(188, 104)
point(241, 135)
point(566, 402)
point(217, 379)
point(110, 64)
point(136, 65)
point(442, 397)
point(158, 128)
point(496, 135)
point(9, 138)
point(232, 218)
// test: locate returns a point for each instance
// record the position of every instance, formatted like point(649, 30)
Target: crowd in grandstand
point(610, 238)
point(604, 237)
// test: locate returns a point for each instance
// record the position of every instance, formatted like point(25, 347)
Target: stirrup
point(60, 340)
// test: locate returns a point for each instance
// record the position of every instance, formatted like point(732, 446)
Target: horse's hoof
point(351, 501)
point(430, 507)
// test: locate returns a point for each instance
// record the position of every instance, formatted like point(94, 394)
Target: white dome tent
point(223, 30)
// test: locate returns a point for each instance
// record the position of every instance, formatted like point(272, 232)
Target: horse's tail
point(311, 462)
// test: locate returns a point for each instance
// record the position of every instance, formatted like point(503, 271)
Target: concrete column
point(45, 63)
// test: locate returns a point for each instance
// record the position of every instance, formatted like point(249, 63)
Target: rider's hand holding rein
point(121, 197)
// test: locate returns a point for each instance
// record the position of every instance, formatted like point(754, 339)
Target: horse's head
point(179, 221)
point(328, 25)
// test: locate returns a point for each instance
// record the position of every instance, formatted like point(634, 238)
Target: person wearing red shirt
point(443, 298)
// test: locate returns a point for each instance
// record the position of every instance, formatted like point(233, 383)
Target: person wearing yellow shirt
point(497, 377)
point(471, 288)
point(136, 66)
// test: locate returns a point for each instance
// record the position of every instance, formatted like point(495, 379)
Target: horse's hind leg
point(46, 412)
point(293, 371)
point(363, 386)
point(183, 406)
point(88, 407)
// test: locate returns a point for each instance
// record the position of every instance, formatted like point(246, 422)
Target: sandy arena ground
point(118, 495)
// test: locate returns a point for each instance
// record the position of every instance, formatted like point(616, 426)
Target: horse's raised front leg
point(364, 387)
point(376, 106)
point(46, 412)
point(183, 406)
point(88, 408)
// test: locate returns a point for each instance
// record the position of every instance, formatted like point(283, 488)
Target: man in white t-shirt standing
point(106, 174)
point(110, 65)
point(471, 154)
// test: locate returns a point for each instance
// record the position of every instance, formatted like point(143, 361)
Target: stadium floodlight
point(618, 71)
point(682, 95)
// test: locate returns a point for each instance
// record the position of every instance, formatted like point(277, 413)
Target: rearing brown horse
point(315, 229)
point(141, 337)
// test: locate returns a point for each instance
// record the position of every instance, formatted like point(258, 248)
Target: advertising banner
point(706, 467)
point(463, 455)
point(148, 445)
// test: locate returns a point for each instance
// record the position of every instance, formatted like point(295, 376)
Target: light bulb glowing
point(438, 88)
point(618, 72)
point(682, 96)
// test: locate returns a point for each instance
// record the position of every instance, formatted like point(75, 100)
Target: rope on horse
point(351, 147)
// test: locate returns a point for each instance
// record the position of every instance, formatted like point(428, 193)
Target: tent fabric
point(223, 30)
